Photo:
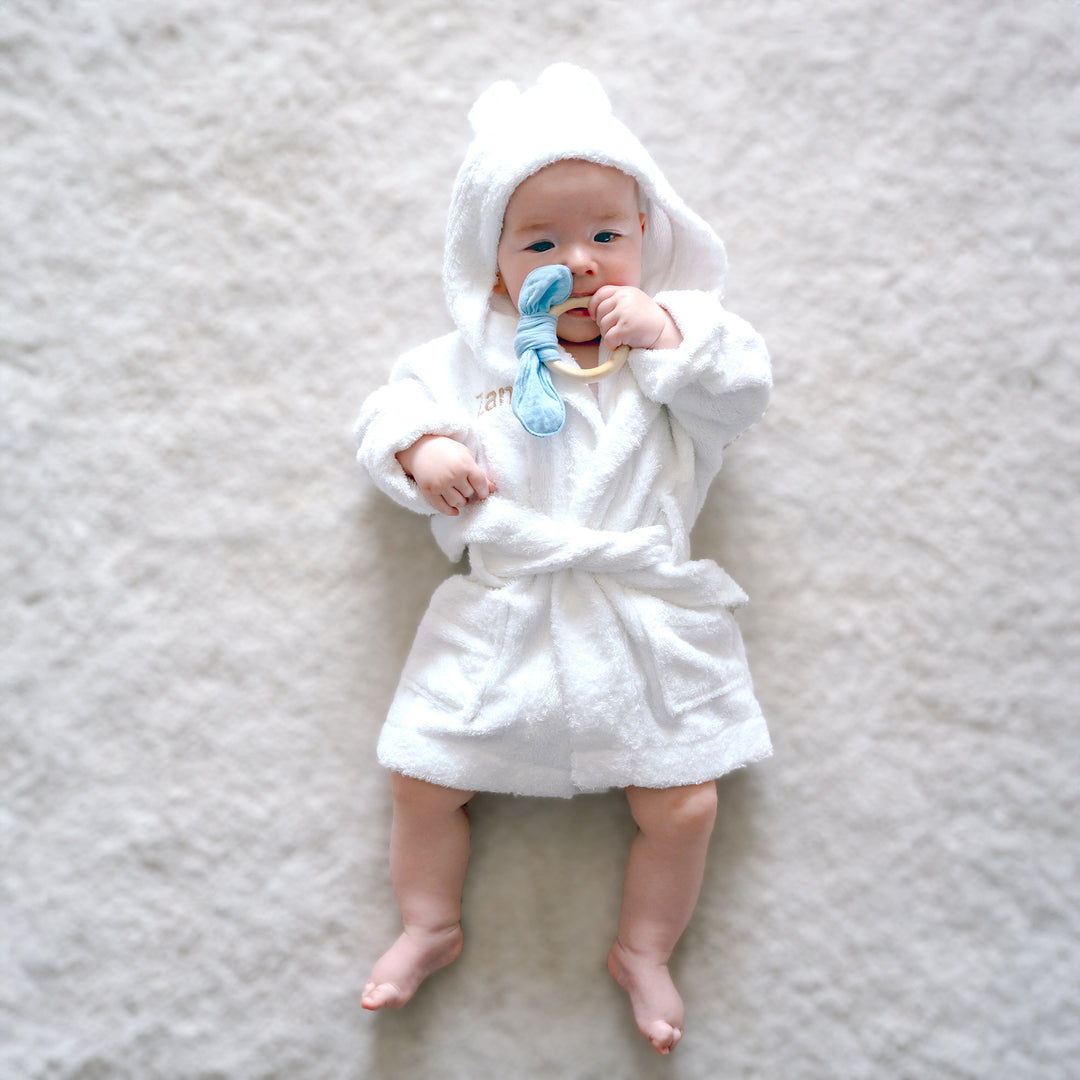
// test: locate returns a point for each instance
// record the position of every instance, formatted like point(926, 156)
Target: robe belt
point(565, 546)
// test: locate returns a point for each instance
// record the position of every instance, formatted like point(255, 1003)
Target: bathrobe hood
point(565, 115)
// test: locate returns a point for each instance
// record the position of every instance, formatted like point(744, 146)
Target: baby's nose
point(580, 261)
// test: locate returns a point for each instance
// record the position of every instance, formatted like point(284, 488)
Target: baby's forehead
point(565, 183)
point(573, 172)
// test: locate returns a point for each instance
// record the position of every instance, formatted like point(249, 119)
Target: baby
point(584, 650)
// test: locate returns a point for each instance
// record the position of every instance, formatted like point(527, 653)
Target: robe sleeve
point(397, 414)
point(717, 382)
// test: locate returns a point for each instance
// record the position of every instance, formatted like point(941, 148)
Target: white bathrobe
point(584, 650)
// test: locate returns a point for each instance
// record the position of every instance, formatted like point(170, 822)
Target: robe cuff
point(391, 420)
point(720, 371)
point(711, 340)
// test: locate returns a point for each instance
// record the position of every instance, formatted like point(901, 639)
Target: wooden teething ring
point(609, 367)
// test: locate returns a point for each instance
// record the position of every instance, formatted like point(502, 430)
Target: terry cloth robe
point(584, 649)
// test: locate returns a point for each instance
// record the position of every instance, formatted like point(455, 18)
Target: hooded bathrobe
point(584, 650)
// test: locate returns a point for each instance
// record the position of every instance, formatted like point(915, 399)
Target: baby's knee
point(694, 809)
point(678, 813)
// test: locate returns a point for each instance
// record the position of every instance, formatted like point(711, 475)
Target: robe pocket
point(456, 646)
point(697, 653)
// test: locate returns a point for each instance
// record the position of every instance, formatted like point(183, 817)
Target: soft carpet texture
point(220, 224)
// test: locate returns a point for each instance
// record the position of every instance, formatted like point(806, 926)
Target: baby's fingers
point(615, 315)
point(478, 483)
point(453, 498)
point(445, 500)
point(603, 297)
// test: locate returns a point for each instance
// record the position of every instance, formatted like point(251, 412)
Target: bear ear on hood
point(492, 105)
point(574, 84)
point(560, 89)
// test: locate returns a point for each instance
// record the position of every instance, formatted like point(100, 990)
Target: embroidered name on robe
point(493, 399)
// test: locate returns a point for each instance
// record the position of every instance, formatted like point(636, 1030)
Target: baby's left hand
point(628, 316)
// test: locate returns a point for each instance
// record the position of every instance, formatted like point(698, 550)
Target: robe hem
point(474, 768)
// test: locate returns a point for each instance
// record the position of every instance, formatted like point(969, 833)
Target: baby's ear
point(498, 288)
point(642, 218)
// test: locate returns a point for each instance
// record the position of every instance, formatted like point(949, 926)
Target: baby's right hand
point(446, 473)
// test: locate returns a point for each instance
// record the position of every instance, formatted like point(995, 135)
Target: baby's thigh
point(423, 798)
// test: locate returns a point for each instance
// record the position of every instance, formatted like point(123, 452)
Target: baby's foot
point(407, 963)
point(658, 1009)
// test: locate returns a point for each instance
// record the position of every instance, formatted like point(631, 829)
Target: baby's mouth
point(579, 312)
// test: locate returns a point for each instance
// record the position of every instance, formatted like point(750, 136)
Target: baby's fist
point(446, 473)
point(627, 316)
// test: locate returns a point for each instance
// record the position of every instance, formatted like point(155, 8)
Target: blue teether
point(535, 402)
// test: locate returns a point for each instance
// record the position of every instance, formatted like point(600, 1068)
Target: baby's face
point(582, 215)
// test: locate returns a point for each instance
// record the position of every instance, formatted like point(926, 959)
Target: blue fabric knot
point(535, 402)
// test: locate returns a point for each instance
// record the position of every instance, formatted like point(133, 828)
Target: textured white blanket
point(220, 225)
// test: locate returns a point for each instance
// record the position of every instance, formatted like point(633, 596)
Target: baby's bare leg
point(429, 851)
point(663, 880)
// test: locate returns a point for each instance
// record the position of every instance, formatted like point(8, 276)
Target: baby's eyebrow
point(607, 218)
point(533, 227)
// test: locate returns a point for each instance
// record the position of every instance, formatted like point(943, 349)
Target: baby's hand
point(446, 472)
point(628, 316)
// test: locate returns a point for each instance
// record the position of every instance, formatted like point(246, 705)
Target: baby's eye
point(605, 237)
point(540, 245)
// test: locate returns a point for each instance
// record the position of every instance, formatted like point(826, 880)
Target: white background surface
point(219, 224)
